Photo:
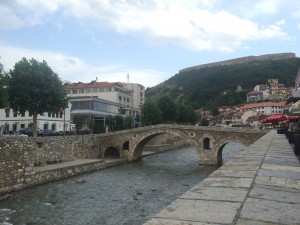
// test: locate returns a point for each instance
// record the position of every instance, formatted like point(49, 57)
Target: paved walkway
point(261, 186)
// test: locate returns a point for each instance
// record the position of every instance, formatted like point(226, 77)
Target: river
point(128, 194)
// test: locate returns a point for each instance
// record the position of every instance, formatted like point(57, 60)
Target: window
point(102, 89)
point(15, 113)
point(81, 91)
point(88, 90)
point(22, 125)
point(7, 111)
point(68, 91)
point(95, 90)
point(30, 113)
point(75, 91)
point(23, 114)
point(206, 143)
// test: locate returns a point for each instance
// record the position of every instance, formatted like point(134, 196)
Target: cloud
point(196, 25)
point(74, 69)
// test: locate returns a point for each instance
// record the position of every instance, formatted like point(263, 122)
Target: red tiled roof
point(262, 104)
point(254, 92)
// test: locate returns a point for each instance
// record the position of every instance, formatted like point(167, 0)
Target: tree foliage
point(165, 110)
point(185, 114)
point(4, 78)
point(168, 109)
point(212, 87)
point(151, 113)
point(34, 87)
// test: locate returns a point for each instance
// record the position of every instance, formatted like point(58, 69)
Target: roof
point(262, 104)
point(92, 84)
point(255, 92)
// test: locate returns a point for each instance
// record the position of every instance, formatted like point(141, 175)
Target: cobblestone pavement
point(260, 186)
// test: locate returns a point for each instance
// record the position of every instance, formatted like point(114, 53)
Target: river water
point(128, 194)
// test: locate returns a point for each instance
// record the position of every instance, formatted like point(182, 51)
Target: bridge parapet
point(208, 140)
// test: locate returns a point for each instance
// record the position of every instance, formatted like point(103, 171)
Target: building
point(265, 108)
point(138, 94)
point(11, 120)
point(88, 101)
point(255, 96)
point(96, 100)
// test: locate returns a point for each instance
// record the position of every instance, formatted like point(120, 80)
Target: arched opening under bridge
point(112, 152)
point(229, 150)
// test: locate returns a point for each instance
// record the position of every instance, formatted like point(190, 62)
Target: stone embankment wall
point(19, 156)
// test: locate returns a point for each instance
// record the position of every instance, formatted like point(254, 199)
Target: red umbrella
point(275, 118)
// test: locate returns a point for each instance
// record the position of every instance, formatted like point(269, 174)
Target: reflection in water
point(127, 194)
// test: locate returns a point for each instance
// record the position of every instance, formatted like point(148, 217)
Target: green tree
point(119, 122)
point(168, 109)
point(4, 78)
point(204, 122)
point(185, 114)
point(151, 113)
point(34, 87)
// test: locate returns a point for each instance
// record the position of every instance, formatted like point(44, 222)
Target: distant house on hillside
point(266, 108)
point(254, 96)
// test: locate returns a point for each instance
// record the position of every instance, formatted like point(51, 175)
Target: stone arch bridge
point(209, 141)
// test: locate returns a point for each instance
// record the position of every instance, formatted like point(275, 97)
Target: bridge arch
point(111, 152)
point(140, 142)
point(221, 144)
point(125, 145)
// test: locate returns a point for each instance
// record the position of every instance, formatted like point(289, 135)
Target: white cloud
point(192, 24)
point(75, 69)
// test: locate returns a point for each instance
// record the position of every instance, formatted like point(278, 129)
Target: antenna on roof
point(127, 77)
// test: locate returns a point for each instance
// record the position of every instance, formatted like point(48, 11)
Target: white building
point(265, 108)
point(11, 120)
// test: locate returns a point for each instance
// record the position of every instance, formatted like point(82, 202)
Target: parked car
point(13, 134)
point(28, 131)
point(47, 132)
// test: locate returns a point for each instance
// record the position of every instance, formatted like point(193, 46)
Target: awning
point(274, 118)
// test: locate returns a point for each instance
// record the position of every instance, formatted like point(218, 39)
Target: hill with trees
point(214, 86)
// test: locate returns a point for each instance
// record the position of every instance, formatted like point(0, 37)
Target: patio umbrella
point(275, 118)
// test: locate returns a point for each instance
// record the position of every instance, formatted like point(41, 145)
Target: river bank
point(130, 193)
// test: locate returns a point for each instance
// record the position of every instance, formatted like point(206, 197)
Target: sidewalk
point(260, 186)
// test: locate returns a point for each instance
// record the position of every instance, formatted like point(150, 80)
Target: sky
point(143, 41)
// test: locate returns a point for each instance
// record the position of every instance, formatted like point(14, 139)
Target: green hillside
point(211, 87)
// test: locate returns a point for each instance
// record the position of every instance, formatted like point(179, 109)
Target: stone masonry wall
point(18, 156)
